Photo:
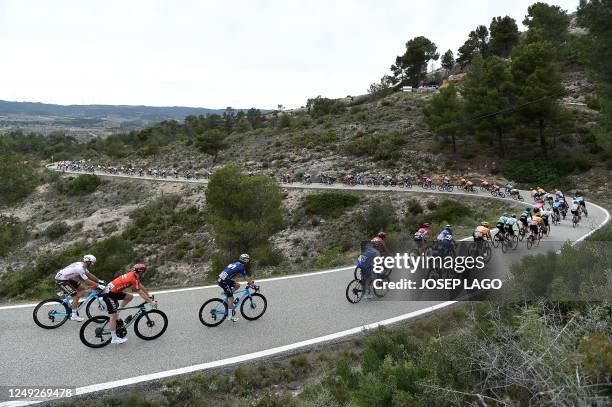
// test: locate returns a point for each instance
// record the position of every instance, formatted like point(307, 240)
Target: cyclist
point(482, 232)
point(114, 293)
point(423, 236)
point(445, 239)
point(556, 207)
point(524, 217)
point(510, 222)
point(537, 219)
point(380, 238)
point(501, 223)
point(575, 209)
point(369, 254)
point(580, 198)
point(65, 279)
point(546, 214)
point(228, 285)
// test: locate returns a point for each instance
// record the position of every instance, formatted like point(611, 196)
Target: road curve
point(302, 310)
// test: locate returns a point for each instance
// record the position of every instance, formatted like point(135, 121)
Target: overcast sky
point(220, 53)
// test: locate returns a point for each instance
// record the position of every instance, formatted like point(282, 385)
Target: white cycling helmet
point(90, 258)
point(244, 258)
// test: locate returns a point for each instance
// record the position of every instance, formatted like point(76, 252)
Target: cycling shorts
point(70, 287)
point(227, 286)
point(112, 301)
point(510, 229)
point(523, 220)
point(533, 228)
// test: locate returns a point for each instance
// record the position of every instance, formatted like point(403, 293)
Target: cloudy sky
point(215, 54)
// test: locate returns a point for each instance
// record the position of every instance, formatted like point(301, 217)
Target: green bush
point(17, 178)
point(321, 106)
point(450, 211)
point(379, 216)
point(379, 148)
point(84, 184)
point(56, 230)
point(328, 204)
point(533, 173)
point(13, 234)
point(313, 140)
point(414, 207)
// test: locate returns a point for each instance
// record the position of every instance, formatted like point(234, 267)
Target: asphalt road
point(302, 310)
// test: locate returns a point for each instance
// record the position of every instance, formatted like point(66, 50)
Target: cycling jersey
point(545, 214)
point(538, 220)
point(231, 270)
point(526, 214)
point(502, 220)
point(73, 270)
point(557, 204)
point(481, 232)
point(511, 221)
point(124, 281)
point(579, 198)
point(445, 235)
point(423, 234)
point(574, 207)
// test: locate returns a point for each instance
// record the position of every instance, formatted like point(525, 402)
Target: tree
point(443, 113)
point(151, 147)
point(412, 66)
point(538, 85)
point(243, 211)
point(382, 87)
point(504, 36)
point(210, 142)
point(596, 15)
point(549, 22)
point(475, 44)
point(228, 119)
point(489, 94)
point(448, 60)
point(254, 117)
point(18, 178)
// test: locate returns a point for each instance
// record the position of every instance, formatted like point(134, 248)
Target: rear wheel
point(51, 314)
point(497, 239)
point(529, 242)
point(357, 273)
point(383, 286)
point(253, 307)
point(95, 332)
point(213, 312)
point(354, 291)
point(151, 325)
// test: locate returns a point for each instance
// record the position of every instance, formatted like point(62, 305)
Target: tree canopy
point(410, 68)
point(504, 36)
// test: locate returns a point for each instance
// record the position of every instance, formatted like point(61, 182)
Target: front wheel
point(95, 307)
point(213, 312)
point(357, 273)
point(151, 325)
point(51, 314)
point(529, 242)
point(95, 332)
point(354, 291)
point(383, 283)
point(253, 307)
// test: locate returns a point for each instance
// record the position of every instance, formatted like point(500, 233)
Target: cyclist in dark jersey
point(228, 284)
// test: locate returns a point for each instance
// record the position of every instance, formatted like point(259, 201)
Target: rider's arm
point(144, 294)
point(91, 278)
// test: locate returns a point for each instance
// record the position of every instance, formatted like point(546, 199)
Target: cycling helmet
point(381, 234)
point(376, 244)
point(244, 258)
point(528, 209)
point(447, 227)
point(426, 225)
point(139, 268)
point(89, 258)
point(485, 224)
point(505, 215)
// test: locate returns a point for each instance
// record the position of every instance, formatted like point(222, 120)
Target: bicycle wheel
point(213, 312)
point(574, 221)
point(354, 291)
point(151, 324)
point(51, 314)
point(515, 242)
point(383, 283)
point(487, 253)
point(255, 307)
point(529, 242)
point(357, 273)
point(95, 332)
point(497, 239)
point(95, 307)
point(504, 245)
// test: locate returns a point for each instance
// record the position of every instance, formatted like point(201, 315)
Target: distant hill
point(148, 113)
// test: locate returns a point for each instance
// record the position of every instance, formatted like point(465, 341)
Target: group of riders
point(548, 208)
point(67, 279)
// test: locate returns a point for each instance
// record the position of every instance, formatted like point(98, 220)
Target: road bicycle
point(531, 241)
point(482, 249)
point(252, 306)
point(356, 288)
point(505, 240)
point(575, 220)
point(148, 324)
point(556, 218)
point(498, 193)
point(446, 187)
point(54, 312)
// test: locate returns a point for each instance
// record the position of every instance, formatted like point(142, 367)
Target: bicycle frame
point(141, 310)
point(244, 293)
point(68, 301)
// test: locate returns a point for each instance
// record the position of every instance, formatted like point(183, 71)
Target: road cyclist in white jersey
point(66, 279)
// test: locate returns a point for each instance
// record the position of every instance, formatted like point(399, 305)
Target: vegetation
point(243, 212)
point(56, 230)
point(410, 67)
point(321, 106)
point(18, 178)
point(83, 184)
point(329, 204)
point(13, 234)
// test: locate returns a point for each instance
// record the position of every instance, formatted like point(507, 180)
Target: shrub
point(380, 148)
point(379, 216)
point(361, 117)
point(534, 173)
point(329, 204)
point(321, 106)
point(414, 207)
point(450, 211)
point(56, 230)
point(84, 184)
point(312, 140)
point(18, 178)
point(303, 121)
point(13, 234)
point(284, 121)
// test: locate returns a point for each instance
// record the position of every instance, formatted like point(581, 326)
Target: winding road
point(303, 310)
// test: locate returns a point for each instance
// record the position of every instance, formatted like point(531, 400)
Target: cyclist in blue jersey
point(228, 285)
point(524, 216)
point(374, 250)
point(580, 198)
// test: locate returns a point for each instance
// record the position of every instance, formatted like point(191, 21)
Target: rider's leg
point(230, 300)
